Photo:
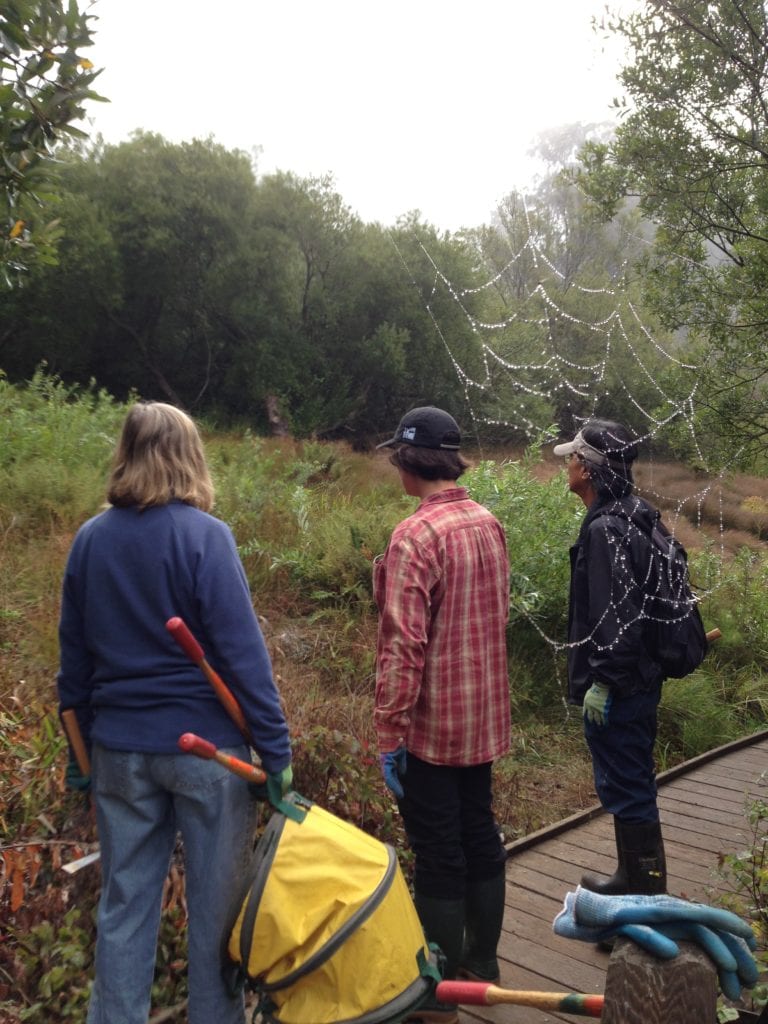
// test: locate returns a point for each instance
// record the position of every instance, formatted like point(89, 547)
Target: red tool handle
point(178, 629)
point(483, 993)
point(181, 634)
point(192, 744)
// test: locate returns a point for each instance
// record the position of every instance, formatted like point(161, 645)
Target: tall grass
point(308, 518)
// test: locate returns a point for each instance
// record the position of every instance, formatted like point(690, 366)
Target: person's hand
point(74, 778)
point(393, 767)
point(655, 922)
point(275, 786)
point(282, 779)
point(597, 703)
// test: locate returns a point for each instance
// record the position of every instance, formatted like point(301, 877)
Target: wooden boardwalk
point(702, 804)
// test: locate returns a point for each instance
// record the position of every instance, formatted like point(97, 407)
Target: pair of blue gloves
point(393, 767)
point(655, 922)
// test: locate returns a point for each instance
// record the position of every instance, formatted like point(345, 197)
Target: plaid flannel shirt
point(442, 591)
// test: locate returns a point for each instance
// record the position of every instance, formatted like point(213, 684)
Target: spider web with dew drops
point(527, 369)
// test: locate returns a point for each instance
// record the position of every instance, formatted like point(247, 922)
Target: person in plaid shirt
point(442, 710)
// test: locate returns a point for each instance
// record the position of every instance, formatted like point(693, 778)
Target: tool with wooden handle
point(482, 993)
point(181, 634)
point(192, 744)
point(75, 737)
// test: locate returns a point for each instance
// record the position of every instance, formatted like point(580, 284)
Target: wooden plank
point(702, 797)
point(726, 783)
point(675, 804)
point(702, 808)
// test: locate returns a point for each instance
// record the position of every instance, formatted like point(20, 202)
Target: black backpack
point(674, 631)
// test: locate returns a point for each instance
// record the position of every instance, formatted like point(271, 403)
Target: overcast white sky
point(411, 104)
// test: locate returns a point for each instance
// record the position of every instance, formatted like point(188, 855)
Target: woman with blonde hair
point(154, 553)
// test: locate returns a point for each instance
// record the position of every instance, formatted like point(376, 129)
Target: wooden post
point(642, 989)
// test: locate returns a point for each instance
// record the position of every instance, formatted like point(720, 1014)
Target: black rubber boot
point(443, 924)
point(617, 882)
point(646, 862)
point(642, 867)
point(484, 918)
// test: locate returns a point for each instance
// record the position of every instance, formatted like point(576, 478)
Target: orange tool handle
point(75, 737)
point(192, 744)
point(181, 634)
point(714, 634)
point(481, 993)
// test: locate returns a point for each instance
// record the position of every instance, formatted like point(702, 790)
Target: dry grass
point(730, 511)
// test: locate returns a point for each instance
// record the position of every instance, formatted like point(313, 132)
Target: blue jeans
point(142, 800)
point(622, 757)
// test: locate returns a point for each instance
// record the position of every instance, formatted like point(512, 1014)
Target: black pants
point(450, 826)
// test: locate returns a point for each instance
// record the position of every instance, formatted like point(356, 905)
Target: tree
point(566, 343)
point(693, 149)
point(44, 83)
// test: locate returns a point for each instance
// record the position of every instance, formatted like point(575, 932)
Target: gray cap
point(580, 446)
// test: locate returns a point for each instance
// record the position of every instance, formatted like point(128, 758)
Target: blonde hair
point(159, 458)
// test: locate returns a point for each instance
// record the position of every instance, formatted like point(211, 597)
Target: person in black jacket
point(611, 670)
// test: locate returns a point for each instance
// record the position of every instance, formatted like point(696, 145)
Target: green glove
point(597, 703)
point(283, 779)
point(275, 786)
point(74, 778)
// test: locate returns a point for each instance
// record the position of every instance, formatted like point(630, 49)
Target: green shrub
point(541, 520)
point(746, 876)
point(56, 443)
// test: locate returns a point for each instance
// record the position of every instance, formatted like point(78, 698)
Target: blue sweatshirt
point(132, 686)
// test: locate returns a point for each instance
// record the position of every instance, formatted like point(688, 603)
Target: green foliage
point(54, 959)
point(698, 713)
point(44, 83)
point(30, 752)
point(691, 149)
point(546, 251)
point(342, 774)
point(308, 517)
point(56, 442)
point(541, 520)
point(746, 875)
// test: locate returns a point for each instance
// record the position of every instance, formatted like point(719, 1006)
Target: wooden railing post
point(642, 989)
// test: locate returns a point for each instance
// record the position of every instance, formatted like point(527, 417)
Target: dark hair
point(429, 463)
point(613, 480)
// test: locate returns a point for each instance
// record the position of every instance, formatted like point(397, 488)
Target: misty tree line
point(184, 276)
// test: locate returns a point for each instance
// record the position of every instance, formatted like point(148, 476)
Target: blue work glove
point(597, 703)
point(393, 767)
point(654, 922)
point(74, 778)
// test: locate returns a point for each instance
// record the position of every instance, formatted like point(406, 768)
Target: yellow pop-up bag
point(327, 931)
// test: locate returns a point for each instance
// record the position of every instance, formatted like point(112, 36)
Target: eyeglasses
point(573, 455)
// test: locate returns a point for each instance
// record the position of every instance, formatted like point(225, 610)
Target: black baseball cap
point(426, 427)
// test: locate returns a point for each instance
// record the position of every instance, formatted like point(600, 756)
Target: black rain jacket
point(610, 562)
